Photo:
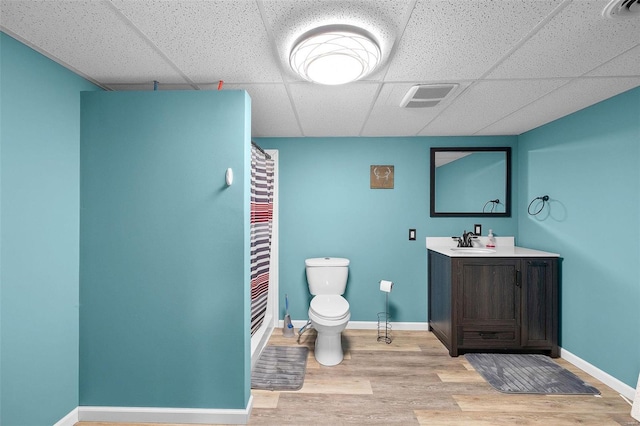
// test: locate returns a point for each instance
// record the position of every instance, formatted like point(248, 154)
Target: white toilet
point(328, 311)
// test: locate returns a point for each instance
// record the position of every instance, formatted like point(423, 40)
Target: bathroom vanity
point(504, 299)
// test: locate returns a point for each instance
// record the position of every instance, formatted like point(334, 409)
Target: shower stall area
point(264, 247)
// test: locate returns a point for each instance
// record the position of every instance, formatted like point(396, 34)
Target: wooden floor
point(414, 381)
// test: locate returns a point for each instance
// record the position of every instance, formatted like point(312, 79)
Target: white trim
point(165, 415)
point(68, 420)
point(615, 384)
point(369, 325)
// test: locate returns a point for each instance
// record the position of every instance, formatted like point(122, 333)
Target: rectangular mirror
point(471, 182)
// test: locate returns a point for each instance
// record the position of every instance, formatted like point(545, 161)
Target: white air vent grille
point(617, 9)
point(426, 95)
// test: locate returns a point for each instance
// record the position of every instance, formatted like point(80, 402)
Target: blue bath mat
point(525, 373)
point(280, 368)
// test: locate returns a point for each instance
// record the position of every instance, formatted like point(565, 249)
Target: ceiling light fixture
point(335, 54)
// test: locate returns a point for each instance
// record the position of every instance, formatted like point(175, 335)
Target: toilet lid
point(330, 306)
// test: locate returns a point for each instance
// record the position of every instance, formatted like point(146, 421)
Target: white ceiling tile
point(292, 18)
point(487, 46)
point(459, 40)
point(271, 111)
point(574, 42)
point(207, 40)
point(626, 64)
point(487, 102)
point(88, 36)
point(576, 95)
point(332, 110)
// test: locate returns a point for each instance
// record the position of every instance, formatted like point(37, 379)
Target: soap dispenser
point(491, 240)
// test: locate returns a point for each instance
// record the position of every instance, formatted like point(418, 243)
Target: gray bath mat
point(280, 368)
point(516, 373)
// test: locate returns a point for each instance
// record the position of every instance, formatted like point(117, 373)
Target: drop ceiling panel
point(576, 95)
point(207, 40)
point(626, 64)
point(333, 110)
point(486, 46)
point(89, 37)
point(271, 111)
point(574, 42)
point(290, 19)
point(389, 119)
point(462, 40)
point(487, 102)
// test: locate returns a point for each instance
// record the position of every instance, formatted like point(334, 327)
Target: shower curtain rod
point(261, 150)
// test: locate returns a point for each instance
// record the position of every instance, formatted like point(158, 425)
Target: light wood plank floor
point(414, 381)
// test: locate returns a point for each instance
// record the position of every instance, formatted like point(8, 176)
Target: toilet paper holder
point(384, 326)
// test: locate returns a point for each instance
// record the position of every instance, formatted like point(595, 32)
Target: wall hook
point(228, 176)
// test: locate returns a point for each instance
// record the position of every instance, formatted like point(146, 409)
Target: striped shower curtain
point(262, 170)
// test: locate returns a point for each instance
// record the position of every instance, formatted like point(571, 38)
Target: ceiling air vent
point(426, 95)
point(617, 9)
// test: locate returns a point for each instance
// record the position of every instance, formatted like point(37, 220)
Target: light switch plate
point(412, 234)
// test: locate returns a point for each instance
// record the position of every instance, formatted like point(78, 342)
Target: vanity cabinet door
point(540, 304)
point(489, 303)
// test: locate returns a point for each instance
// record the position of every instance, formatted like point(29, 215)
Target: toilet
point(328, 311)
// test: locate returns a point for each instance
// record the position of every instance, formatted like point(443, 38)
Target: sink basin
point(475, 250)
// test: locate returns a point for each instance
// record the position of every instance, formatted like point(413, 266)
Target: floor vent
point(426, 95)
point(618, 9)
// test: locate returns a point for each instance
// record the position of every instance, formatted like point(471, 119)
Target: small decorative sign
point(381, 177)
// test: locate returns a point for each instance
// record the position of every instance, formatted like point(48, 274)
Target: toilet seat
point(331, 307)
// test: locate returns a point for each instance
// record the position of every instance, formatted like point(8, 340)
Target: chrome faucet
point(466, 240)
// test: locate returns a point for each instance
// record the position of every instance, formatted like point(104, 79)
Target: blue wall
point(40, 196)
point(328, 209)
point(468, 183)
point(164, 270)
point(588, 165)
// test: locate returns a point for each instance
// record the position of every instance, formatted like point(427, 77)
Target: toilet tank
point(327, 275)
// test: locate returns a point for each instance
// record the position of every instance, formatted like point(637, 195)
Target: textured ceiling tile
point(271, 111)
point(389, 119)
point(577, 95)
point(332, 110)
point(627, 64)
point(487, 102)
point(87, 36)
point(208, 40)
point(574, 42)
point(191, 44)
point(462, 39)
point(292, 18)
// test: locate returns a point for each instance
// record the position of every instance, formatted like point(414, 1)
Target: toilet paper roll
point(386, 286)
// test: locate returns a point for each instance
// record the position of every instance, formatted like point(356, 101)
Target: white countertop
point(505, 247)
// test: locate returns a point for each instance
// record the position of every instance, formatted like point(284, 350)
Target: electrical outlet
point(412, 234)
point(477, 229)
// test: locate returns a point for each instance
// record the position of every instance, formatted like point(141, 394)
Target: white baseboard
point(164, 415)
point(615, 384)
point(68, 420)
point(241, 416)
point(368, 325)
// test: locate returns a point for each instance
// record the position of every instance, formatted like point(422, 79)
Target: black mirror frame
point(507, 201)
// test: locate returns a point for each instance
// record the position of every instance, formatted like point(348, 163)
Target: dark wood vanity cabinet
point(494, 304)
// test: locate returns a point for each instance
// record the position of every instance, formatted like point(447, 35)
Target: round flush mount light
point(618, 9)
point(335, 55)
